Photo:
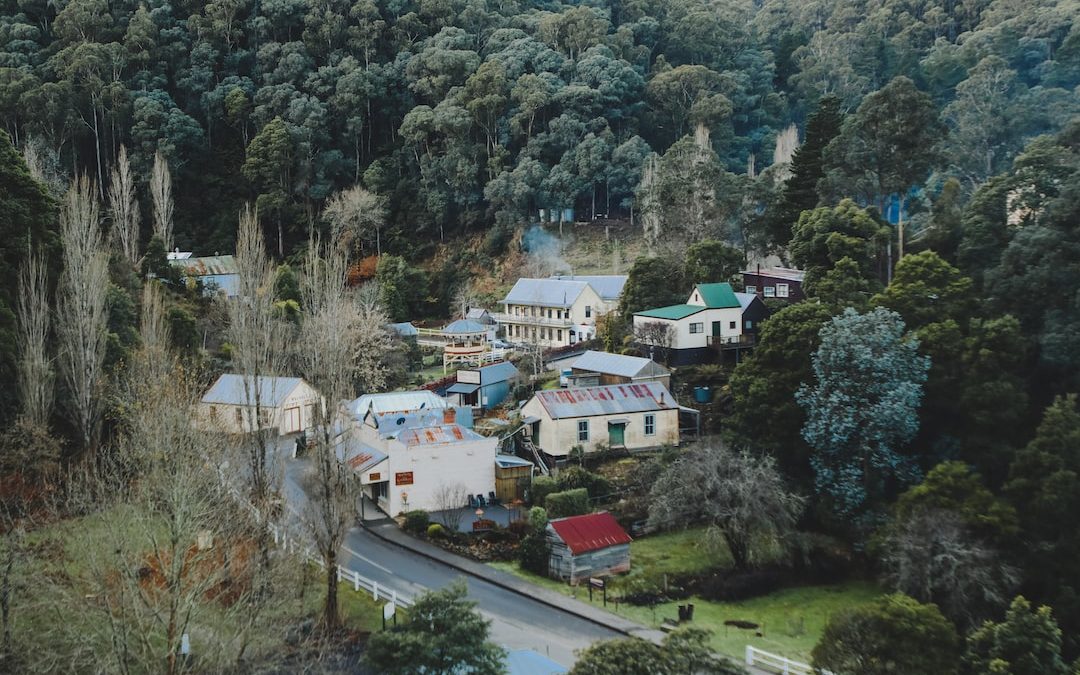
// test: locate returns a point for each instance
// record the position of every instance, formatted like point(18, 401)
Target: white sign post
point(389, 610)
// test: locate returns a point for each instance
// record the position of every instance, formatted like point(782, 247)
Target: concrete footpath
point(391, 533)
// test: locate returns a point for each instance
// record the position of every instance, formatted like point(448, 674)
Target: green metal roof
point(673, 312)
point(718, 295)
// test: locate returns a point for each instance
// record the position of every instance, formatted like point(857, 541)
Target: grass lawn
point(790, 620)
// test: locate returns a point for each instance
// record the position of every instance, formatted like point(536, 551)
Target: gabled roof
point(607, 286)
point(590, 532)
point(789, 273)
point(437, 435)
point(464, 327)
point(479, 314)
point(672, 312)
point(404, 329)
point(207, 265)
point(230, 389)
point(717, 296)
point(545, 292)
point(617, 364)
point(611, 399)
point(357, 455)
point(745, 299)
point(396, 401)
point(496, 372)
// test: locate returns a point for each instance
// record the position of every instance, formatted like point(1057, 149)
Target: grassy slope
point(791, 620)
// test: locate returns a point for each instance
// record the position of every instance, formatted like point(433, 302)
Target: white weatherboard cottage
point(626, 416)
point(285, 403)
point(711, 317)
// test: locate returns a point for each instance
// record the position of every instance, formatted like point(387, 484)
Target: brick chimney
point(449, 415)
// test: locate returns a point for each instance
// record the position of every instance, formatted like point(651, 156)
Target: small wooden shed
point(592, 545)
point(513, 476)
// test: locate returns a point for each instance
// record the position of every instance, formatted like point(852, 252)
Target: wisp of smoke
point(545, 252)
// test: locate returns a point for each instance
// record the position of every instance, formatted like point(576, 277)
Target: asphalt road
point(517, 622)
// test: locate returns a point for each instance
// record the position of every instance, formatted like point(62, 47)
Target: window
point(751, 289)
point(781, 290)
point(697, 327)
point(588, 311)
point(583, 430)
point(239, 417)
point(749, 324)
point(559, 333)
point(549, 312)
point(770, 292)
point(650, 425)
point(731, 325)
point(532, 311)
point(213, 412)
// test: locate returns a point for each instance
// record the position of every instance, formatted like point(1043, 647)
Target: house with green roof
point(713, 318)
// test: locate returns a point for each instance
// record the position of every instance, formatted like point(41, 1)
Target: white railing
point(779, 664)
point(358, 581)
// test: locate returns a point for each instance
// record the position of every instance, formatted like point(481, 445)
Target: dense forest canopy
point(469, 113)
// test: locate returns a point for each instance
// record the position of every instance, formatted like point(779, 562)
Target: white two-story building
point(551, 312)
point(712, 317)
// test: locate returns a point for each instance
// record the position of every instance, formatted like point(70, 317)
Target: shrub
point(533, 553)
point(542, 486)
point(577, 477)
point(569, 503)
point(538, 518)
point(416, 521)
point(435, 531)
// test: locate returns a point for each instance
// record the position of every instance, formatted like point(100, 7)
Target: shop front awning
point(462, 388)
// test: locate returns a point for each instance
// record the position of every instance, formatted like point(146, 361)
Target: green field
point(790, 620)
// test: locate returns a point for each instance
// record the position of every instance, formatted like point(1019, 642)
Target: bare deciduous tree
point(35, 372)
point(258, 339)
point(658, 334)
point(741, 497)
point(450, 499)
point(161, 194)
point(334, 349)
point(125, 208)
point(82, 313)
point(933, 557)
point(43, 162)
point(355, 213)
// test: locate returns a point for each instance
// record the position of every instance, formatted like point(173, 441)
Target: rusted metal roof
point(612, 399)
point(445, 433)
point(590, 532)
point(207, 265)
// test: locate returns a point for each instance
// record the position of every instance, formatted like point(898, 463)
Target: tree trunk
point(900, 229)
point(331, 618)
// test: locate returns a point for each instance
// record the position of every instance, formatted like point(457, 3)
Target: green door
point(616, 434)
point(716, 329)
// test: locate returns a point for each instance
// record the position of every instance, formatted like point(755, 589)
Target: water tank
point(543, 215)
point(702, 394)
point(568, 215)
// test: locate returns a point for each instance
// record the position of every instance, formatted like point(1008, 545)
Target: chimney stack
point(449, 415)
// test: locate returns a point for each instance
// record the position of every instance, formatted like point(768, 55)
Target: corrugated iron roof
point(230, 389)
point(464, 327)
point(212, 264)
point(545, 292)
point(672, 312)
point(404, 329)
point(498, 372)
point(789, 273)
point(356, 454)
point(442, 434)
point(590, 532)
point(607, 286)
point(617, 364)
point(396, 401)
point(718, 296)
point(612, 399)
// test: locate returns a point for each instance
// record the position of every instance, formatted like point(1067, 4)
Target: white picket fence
point(359, 582)
point(779, 664)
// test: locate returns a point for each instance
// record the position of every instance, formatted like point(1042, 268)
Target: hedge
point(569, 503)
point(416, 521)
point(542, 486)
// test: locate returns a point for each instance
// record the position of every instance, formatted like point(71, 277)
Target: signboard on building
point(468, 376)
point(374, 476)
point(403, 478)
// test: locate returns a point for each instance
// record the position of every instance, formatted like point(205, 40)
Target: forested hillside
point(470, 113)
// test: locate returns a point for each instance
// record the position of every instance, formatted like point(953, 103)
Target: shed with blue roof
point(485, 387)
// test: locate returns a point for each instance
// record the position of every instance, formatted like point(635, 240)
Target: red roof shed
point(590, 532)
